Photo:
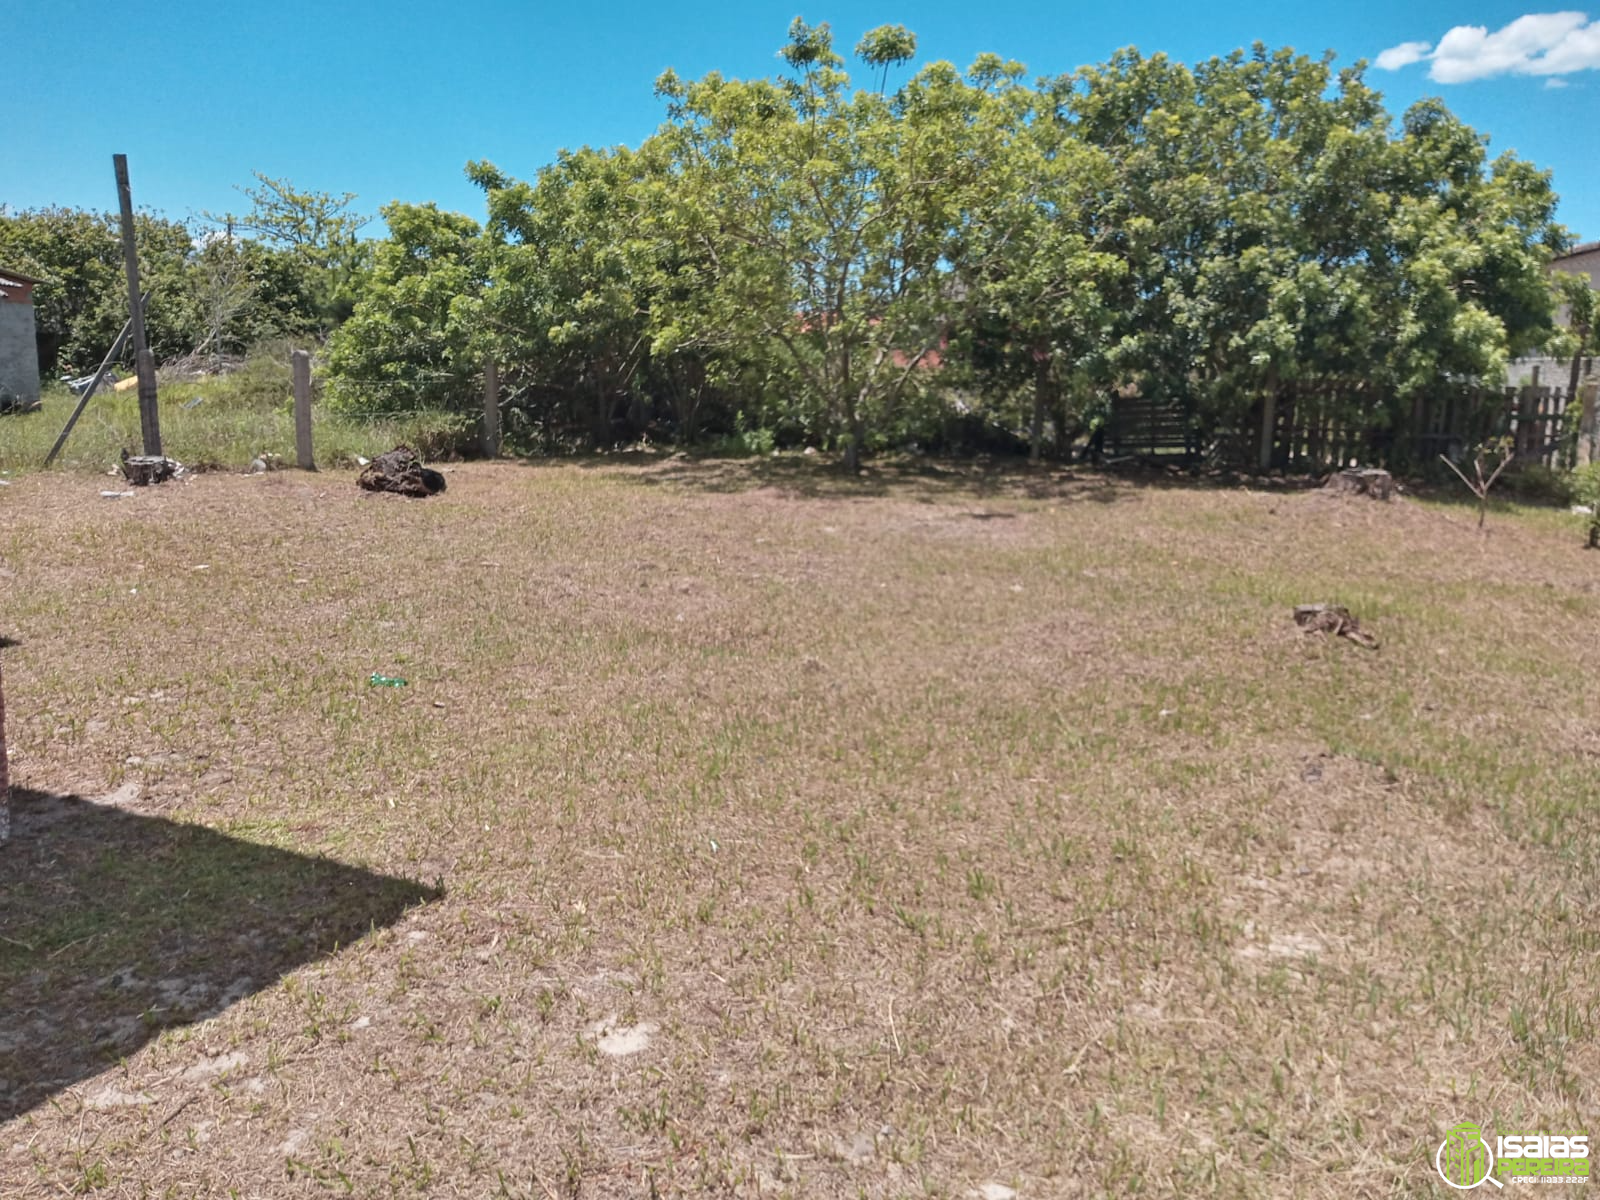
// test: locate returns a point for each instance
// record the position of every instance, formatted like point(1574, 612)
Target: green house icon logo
point(1464, 1159)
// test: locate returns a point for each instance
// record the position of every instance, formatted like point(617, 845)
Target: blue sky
point(390, 100)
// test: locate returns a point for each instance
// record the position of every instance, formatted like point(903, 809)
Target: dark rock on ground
point(400, 471)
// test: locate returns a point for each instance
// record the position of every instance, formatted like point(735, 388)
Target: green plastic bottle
point(386, 680)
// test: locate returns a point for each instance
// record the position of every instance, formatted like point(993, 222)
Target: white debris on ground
point(621, 1040)
point(112, 1097)
point(219, 1064)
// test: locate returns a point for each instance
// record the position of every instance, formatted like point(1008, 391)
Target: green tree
point(1279, 233)
point(1040, 281)
point(1472, 239)
point(569, 308)
point(821, 218)
point(223, 290)
point(884, 47)
point(318, 236)
point(1582, 334)
point(410, 343)
point(84, 299)
point(1254, 227)
point(588, 303)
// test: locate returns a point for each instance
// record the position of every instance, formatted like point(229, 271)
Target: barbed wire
point(346, 379)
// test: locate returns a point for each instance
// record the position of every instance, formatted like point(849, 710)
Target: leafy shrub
point(434, 433)
point(1584, 488)
point(749, 443)
point(1539, 484)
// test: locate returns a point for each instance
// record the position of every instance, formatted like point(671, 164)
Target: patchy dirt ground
point(746, 830)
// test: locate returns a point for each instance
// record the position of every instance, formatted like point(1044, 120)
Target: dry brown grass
point(939, 830)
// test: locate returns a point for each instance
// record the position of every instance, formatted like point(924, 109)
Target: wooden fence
point(1310, 428)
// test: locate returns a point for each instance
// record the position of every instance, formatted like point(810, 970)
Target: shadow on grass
point(906, 477)
point(816, 477)
point(930, 479)
point(1001, 478)
point(116, 925)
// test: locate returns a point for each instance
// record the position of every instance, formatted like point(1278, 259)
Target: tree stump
point(1361, 482)
point(142, 470)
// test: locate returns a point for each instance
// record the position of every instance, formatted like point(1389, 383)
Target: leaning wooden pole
point(94, 384)
point(149, 416)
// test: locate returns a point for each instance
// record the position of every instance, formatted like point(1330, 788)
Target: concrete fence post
point(302, 411)
point(491, 410)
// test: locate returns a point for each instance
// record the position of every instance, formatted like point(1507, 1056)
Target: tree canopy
point(801, 252)
point(213, 289)
point(859, 265)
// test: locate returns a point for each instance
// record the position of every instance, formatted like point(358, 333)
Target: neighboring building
point(1580, 260)
point(19, 351)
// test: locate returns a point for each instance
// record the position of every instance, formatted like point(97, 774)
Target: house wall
point(1586, 262)
point(19, 356)
point(1556, 372)
point(1553, 372)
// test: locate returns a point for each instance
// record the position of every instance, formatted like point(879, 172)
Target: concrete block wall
point(19, 357)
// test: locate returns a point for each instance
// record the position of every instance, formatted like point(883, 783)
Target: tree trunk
point(1577, 364)
point(686, 409)
point(852, 433)
point(1067, 430)
point(636, 415)
point(602, 414)
point(685, 400)
point(1041, 397)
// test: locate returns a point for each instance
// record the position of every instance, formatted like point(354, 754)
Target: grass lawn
point(743, 830)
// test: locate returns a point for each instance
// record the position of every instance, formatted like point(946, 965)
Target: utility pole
point(149, 416)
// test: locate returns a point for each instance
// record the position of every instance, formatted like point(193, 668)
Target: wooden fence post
point(1527, 404)
point(144, 362)
point(302, 410)
point(1589, 393)
point(491, 410)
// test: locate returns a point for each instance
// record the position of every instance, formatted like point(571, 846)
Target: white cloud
point(1555, 82)
point(1548, 44)
point(1403, 55)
